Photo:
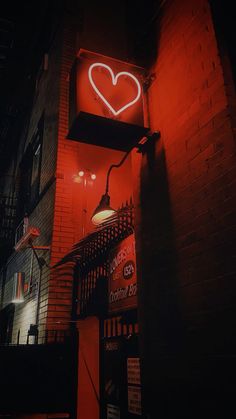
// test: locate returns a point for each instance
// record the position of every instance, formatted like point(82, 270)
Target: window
point(35, 168)
point(30, 173)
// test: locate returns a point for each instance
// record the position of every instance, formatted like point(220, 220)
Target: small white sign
point(113, 412)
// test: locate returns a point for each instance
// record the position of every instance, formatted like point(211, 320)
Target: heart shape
point(114, 82)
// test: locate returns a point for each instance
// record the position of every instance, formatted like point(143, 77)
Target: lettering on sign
point(123, 293)
point(111, 346)
point(121, 255)
point(133, 371)
point(134, 400)
point(122, 276)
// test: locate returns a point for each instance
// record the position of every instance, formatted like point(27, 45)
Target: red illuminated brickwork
point(185, 207)
point(59, 292)
point(186, 217)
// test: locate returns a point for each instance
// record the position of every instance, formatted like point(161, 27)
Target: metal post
point(18, 337)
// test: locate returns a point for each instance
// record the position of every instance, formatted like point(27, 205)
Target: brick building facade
point(183, 188)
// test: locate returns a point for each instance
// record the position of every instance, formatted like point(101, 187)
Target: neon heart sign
point(114, 79)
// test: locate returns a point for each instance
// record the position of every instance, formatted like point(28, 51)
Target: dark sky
point(23, 25)
point(24, 37)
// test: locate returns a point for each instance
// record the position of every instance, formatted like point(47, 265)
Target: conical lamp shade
point(103, 210)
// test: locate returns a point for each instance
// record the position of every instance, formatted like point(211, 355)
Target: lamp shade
point(103, 210)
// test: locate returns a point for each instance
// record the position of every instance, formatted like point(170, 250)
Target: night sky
point(26, 28)
point(25, 31)
point(27, 25)
point(24, 37)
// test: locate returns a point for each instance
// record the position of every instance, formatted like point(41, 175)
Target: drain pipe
point(33, 330)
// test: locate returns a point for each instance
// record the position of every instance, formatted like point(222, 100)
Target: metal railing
point(92, 266)
point(7, 217)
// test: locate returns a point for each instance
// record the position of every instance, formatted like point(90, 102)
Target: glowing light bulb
point(93, 176)
point(81, 173)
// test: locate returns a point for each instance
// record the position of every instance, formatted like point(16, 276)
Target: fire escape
point(7, 224)
point(7, 203)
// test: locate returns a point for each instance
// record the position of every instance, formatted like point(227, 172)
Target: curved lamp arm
point(141, 146)
point(115, 166)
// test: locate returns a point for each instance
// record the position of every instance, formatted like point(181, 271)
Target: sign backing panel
point(106, 101)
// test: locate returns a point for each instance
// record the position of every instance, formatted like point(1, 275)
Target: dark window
point(35, 168)
point(30, 173)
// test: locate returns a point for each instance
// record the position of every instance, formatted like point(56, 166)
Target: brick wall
point(63, 238)
point(185, 209)
point(45, 101)
point(185, 218)
point(59, 214)
point(24, 261)
point(71, 198)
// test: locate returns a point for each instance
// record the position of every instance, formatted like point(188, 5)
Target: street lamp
point(104, 211)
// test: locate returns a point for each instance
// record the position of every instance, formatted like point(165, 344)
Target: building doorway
point(6, 322)
point(120, 367)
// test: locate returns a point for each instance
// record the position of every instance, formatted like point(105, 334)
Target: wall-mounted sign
point(134, 385)
point(106, 101)
point(122, 289)
point(133, 371)
point(134, 400)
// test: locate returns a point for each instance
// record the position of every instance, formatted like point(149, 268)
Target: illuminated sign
point(107, 102)
point(122, 293)
point(114, 80)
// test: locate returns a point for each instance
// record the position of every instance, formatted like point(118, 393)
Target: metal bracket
point(146, 141)
point(41, 247)
point(147, 82)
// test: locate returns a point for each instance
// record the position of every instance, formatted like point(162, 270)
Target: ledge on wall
point(104, 132)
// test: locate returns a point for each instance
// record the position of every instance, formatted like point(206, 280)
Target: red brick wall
point(59, 291)
point(185, 213)
point(70, 197)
